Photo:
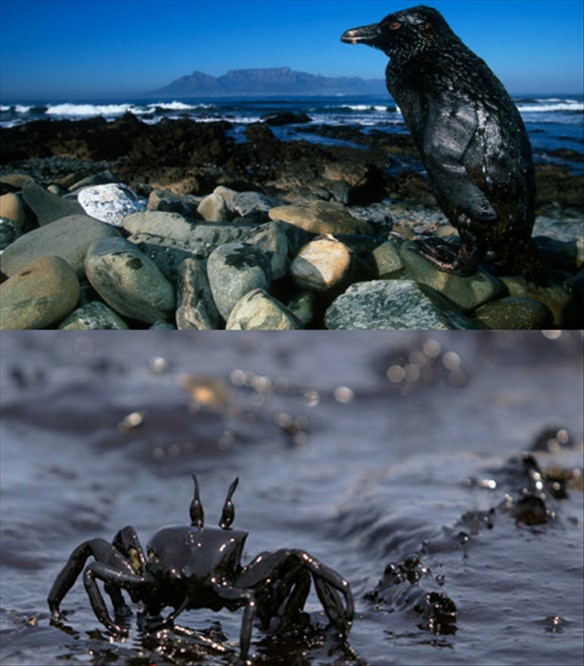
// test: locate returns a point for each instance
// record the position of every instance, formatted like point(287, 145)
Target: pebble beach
point(116, 224)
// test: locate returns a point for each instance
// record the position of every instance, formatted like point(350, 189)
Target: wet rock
point(68, 238)
point(514, 313)
point(92, 316)
point(556, 185)
point(179, 185)
point(158, 223)
point(110, 203)
point(467, 292)
point(128, 281)
point(195, 306)
point(391, 304)
point(163, 326)
point(102, 178)
point(286, 118)
point(48, 207)
point(321, 217)
point(228, 195)
point(272, 239)
point(41, 294)
point(386, 260)
point(260, 133)
point(213, 208)
point(575, 287)
point(11, 182)
point(253, 203)
point(173, 230)
point(163, 252)
point(234, 269)
point(164, 201)
point(565, 310)
point(9, 232)
point(258, 311)
point(302, 306)
point(322, 265)
point(562, 255)
point(11, 206)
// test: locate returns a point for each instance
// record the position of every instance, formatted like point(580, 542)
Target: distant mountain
point(269, 81)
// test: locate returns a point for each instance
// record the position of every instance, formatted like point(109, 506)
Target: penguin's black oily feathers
point(471, 138)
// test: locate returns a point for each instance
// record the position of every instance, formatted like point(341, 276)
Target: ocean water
point(364, 449)
point(553, 122)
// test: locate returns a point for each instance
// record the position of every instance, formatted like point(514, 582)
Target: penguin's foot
point(446, 256)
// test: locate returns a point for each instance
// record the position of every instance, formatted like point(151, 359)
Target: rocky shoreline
point(179, 225)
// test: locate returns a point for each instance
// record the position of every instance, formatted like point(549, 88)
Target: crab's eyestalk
point(196, 509)
point(228, 509)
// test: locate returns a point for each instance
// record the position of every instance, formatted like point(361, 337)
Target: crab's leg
point(235, 597)
point(295, 603)
point(329, 583)
point(101, 550)
point(332, 604)
point(114, 578)
point(282, 563)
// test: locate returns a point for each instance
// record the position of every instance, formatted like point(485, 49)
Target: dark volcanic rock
point(286, 118)
point(91, 139)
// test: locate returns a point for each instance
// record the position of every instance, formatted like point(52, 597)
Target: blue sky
point(75, 49)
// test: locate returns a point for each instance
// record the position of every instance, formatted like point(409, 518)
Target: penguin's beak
point(367, 34)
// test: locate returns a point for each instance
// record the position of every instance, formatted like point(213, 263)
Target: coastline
point(367, 185)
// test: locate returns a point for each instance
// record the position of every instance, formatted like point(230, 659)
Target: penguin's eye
point(395, 26)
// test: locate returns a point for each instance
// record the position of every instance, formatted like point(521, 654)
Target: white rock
point(110, 203)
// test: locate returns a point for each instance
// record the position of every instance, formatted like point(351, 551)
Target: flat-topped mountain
point(268, 81)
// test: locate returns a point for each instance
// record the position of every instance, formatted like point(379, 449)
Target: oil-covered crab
point(193, 566)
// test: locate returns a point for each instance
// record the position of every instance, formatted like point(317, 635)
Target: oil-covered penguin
point(470, 135)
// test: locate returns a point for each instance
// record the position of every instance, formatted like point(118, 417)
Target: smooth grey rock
point(258, 311)
point(167, 258)
point(565, 310)
point(128, 281)
point(48, 207)
point(514, 313)
point(213, 208)
point(9, 232)
point(253, 203)
point(234, 269)
point(163, 326)
point(195, 306)
point(173, 230)
point(41, 294)
point(160, 223)
point(386, 260)
point(110, 203)
point(467, 292)
point(392, 304)
point(273, 240)
point(102, 178)
point(93, 316)
point(164, 201)
point(301, 305)
point(228, 195)
point(68, 238)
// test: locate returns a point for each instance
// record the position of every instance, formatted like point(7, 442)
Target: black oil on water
point(441, 474)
